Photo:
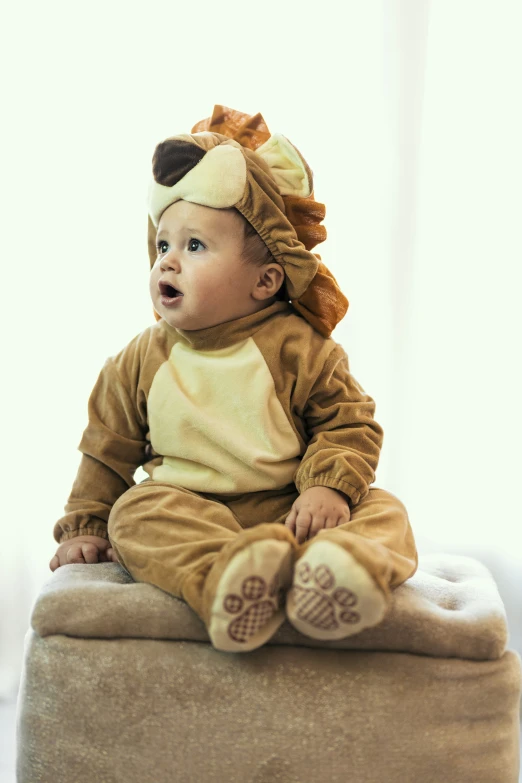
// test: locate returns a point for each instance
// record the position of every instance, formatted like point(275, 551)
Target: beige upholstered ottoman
point(121, 685)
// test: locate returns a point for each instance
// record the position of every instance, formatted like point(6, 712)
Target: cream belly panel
point(215, 418)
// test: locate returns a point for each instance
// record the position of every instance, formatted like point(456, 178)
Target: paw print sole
point(332, 595)
point(247, 609)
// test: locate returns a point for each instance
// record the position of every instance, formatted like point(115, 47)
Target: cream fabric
point(209, 437)
point(319, 414)
point(217, 181)
point(286, 166)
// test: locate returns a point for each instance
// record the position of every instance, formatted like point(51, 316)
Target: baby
point(259, 444)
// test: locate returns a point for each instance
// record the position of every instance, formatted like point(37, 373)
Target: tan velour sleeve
point(345, 440)
point(112, 446)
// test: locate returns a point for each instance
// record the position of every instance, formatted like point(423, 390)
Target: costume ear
point(288, 168)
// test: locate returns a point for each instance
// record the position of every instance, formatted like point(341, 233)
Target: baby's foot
point(247, 610)
point(333, 595)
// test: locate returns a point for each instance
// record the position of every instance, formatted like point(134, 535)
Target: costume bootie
point(245, 591)
point(332, 595)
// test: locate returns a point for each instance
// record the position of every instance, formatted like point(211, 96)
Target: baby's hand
point(83, 549)
point(317, 508)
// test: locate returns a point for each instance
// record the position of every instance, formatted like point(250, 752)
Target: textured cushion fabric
point(450, 608)
point(160, 711)
point(120, 685)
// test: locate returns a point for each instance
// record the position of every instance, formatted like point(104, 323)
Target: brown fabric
point(263, 206)
point(173, 159)
point(182, 542)
point(322, 304)
point(309, 424)
point(306, 214)
point(450, 608)
point(269, 212)
point(249, 131)
point(338, 441)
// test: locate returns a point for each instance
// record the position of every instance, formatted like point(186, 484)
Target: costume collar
point(222, 335)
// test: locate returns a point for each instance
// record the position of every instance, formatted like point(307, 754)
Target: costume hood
point(232, 160)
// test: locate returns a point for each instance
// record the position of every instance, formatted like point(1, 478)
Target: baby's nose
point(170, 261)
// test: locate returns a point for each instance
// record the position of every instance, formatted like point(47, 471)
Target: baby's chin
point(180, 316)
point(187, 322)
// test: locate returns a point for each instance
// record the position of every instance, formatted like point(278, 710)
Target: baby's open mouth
point(169, 291)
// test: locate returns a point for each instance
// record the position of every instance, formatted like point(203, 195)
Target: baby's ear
point(269, 281)
point(289, 169)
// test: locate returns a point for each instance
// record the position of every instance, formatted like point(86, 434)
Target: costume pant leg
point(179, 540)
point(379, 536)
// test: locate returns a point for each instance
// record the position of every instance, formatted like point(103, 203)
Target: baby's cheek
point(153, 282)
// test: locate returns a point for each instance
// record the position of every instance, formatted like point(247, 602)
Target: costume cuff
point(84, 531)
point(348, 489)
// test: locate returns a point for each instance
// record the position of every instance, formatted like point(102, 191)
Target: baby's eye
point(192, 244)
point(162, 246)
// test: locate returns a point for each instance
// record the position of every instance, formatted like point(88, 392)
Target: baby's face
point(199, 254)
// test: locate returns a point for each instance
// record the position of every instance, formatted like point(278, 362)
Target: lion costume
point(242, 417)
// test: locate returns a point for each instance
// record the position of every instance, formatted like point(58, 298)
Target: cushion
point(120, 684)
point(451, 607)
